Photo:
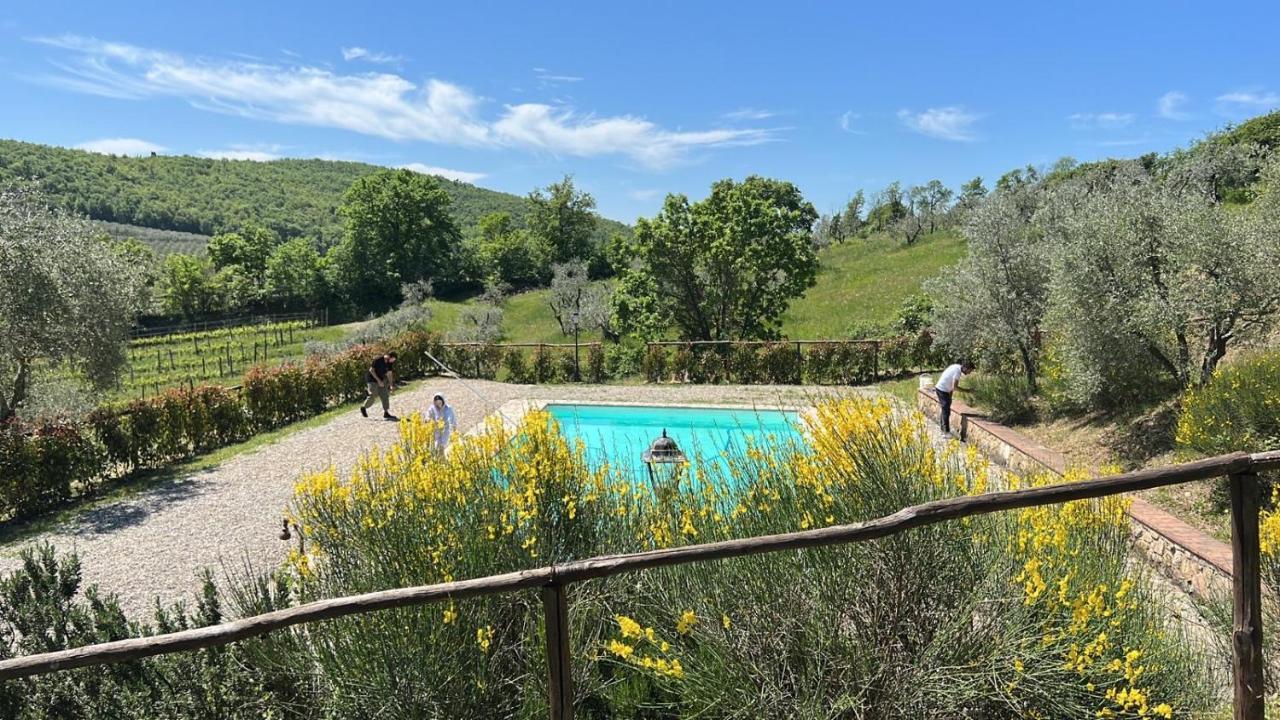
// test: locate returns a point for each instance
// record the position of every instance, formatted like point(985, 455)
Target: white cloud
point(847, 120)
point(946, 123)
point(378, 104)
point(549, 78)
point(561, 131)
point(1123, 143)
point(256, 153)
point(1170, 105)
point(459, 175)
point(749, 114)
point(1100, 121)
point(121, 146)
point(1247, 102)
point(358, 53)
point(645, 194)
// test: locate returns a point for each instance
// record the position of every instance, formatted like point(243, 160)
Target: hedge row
point(783, 363)
point(43, 465)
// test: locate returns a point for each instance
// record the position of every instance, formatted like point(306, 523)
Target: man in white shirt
point(948, 385)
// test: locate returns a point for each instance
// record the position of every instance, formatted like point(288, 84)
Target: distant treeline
point(294, 198)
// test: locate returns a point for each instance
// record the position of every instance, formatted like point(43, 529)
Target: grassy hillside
point(204, 196)
point(860, 283)
point(863, 282)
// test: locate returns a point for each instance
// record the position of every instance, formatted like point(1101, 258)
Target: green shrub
point(655, 363)
point(627, 358)
point(567, 366)
point(596, 371)
point(517, 368)
point(709, 367)
point(44, 608)
point(683, 363)
point(1006, 399)
point(543, 365)
point(742, 364)
point(780, 363)
point(1238, 409)
point(39, 463)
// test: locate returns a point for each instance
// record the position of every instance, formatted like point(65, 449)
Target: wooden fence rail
point(554, 580)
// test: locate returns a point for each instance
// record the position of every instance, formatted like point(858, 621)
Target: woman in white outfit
point(442, 416)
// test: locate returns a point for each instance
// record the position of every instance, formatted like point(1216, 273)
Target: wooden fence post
point(555, 607)
point(1246, 636)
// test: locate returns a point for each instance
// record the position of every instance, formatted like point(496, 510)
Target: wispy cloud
point(1100, 121)
point(257, 153)
point(121, 146)
point(1247, 102)
point(1170, 105)
point(945, 123)
point(547, 79)
point(459, 175)
point(1123, 143)
point(645, 195)
point(365, 55)
point(378, 104)
point(847, 120)
point(748, 114)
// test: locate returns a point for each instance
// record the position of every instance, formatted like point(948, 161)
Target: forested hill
point(200, 195)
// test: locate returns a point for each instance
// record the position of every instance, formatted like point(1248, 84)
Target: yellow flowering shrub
point(1058, 621)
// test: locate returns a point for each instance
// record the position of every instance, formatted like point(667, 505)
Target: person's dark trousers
point(944, 404)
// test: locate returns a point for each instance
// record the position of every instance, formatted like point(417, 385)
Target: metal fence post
point(1246, 636)
point(555, 607)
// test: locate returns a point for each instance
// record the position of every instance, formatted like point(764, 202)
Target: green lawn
point(865, 282)
point(859, 283)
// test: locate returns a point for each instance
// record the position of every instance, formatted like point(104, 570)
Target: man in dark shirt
point(380, 379)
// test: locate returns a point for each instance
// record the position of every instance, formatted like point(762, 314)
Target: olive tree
point(1154, 278)
point(990, 306)
point(66, 297)
point(572, 291)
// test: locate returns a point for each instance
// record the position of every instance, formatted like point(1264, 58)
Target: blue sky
point(640, 99)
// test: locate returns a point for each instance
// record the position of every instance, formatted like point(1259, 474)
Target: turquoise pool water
point(620, 433)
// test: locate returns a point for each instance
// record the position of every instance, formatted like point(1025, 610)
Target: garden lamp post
point(663, 459)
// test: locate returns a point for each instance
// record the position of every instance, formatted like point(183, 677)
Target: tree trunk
point(18, 391)
point(1216, 351)
point(1029, 367)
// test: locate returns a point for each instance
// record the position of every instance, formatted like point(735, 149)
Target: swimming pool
point(619, 434)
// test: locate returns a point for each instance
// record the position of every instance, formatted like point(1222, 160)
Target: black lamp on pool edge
point(663, 451)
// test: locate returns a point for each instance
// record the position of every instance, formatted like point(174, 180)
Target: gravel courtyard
point(155, 543)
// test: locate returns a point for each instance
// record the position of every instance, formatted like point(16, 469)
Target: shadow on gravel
point(133, 510)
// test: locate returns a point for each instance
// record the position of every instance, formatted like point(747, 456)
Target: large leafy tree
point(724, 268)
point(66, 296)
point(564, 220)
point(187, 287)
point(399, 230)
point(293, 274)
point(249, 248)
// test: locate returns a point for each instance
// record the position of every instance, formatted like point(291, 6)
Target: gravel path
point(156, 542)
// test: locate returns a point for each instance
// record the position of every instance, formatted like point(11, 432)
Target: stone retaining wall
point(1193, 560)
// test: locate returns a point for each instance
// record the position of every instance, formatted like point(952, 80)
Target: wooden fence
point(312, 317)
point(554, 581)
point(724, 345)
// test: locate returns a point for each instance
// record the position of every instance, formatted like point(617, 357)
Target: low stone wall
point(1193, 560)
